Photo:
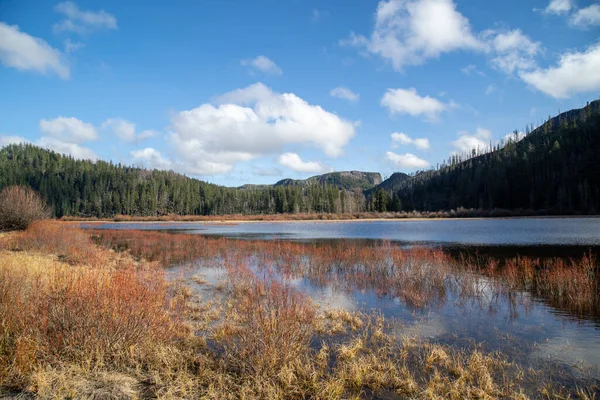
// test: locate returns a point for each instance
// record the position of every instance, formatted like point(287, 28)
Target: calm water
point(527, 329)
point(474, 232)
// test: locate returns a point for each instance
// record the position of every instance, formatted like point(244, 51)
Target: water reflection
point(481, 232)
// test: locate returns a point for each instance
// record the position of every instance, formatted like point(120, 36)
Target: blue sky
point(237, 92)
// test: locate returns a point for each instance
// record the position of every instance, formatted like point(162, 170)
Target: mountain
point(393, 183)
point(555, 168)
point(347, 180)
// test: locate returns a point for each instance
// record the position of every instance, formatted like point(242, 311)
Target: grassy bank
point(87, 314)
point(458, 213)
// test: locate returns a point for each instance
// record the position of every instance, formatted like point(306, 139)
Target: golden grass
point(115, 328)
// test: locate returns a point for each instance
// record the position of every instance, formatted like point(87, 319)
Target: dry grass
point(115, 328)
point(53, 313)
point(454, 213)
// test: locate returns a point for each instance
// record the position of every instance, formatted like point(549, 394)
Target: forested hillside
point(555, 167)
point(347, 180)
point(103, 189)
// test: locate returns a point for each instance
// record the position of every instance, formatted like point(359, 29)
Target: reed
point(116, 328)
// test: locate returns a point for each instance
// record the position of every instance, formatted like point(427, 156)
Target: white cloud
point(150, 158)
point(249, 123)
point(294, 162)
point(404, 139)
point(6, 140)
point(125, 130)
point(51, 143)
point(70, 130)
point(80, 21)
point(472, 70)
point(71, 47)
point(586, 17)
point(411, 32)
point(63, 147)
point(490, 89)
point(576, 72)
point(559, 6)
point(408, 101)
point(513, 50)
point(466, 142)
point(511, 137)
point(21, 51)
point(406, 161)
point(344, 93)
point(263, 64)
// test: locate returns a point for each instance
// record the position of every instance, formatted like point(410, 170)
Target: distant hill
point(251, 186)
point(347, 180)
point(555, 167)
point(393, 183)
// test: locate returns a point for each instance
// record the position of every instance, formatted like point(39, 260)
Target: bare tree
point(19, 207)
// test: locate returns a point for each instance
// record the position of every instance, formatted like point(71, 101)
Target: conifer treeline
point(555, 168)
point(103, 189)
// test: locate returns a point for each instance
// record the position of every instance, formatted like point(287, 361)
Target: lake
point(468, 232)
point(517, 323)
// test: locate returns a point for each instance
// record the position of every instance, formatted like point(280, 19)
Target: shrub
point(19, 207)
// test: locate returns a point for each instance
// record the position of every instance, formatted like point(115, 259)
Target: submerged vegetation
point(95, 314)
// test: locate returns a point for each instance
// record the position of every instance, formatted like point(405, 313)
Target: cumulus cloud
point(69, 129)
point(405, 161)
point(411, 32)
point(21, 51)
point(73, 149)
point(513, 50)
point(344, 93)
point(263, 64)
point(514, 137)
point(408, 101)
point(6, 140)
point(576, 72)
point(586, 17)
point(404, 139)
point(466, 141)
point(80, 21)
point(66, 134)
point(252, 122)
point(294, 162)
point(150, 158)
point(125, 130)
point(558, 7)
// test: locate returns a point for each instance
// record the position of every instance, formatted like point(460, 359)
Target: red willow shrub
point(419, 276)
point(572, 285)
point(52, 313)
point(19, 207)
point(68, 242)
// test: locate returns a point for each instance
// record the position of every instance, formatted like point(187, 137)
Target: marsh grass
point(459, 212)
point(96, 318)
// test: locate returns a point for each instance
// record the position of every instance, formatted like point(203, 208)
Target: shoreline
point(226, 221)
